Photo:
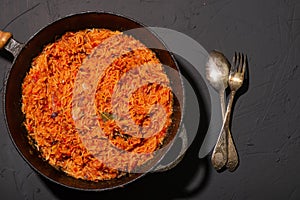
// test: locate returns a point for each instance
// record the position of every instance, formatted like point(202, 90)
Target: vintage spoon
point(217, 73)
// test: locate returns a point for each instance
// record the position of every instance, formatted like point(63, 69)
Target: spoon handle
point(222, 101)
point(219, 155)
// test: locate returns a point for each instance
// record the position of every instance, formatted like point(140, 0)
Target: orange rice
point(47, 93)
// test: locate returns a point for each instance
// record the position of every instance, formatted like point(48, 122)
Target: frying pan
point(23, 55)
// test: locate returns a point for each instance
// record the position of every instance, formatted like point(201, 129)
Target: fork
point(236, 79)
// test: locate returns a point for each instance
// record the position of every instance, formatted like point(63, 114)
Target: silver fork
point(224, 151)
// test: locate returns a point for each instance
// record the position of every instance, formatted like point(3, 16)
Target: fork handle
point(232, 156)
point(228, 110)
point(232, 160)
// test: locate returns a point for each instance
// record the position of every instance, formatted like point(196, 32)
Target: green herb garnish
point(106, 116)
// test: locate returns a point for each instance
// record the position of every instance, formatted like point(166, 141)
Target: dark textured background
point(265, 120)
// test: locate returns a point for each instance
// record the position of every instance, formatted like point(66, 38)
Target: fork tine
point(244, 64)
point(238, 61)
point(234, 60)
point(239, 64)
point(242, 58)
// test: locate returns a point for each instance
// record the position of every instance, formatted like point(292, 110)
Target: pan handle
point(8, 43)
point(4, 37)
point(184, 145)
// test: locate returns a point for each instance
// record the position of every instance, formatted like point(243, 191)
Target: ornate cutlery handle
point(232, 160)
point(219, 155)
point(225, 151)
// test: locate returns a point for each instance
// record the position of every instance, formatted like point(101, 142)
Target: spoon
point(217, 73)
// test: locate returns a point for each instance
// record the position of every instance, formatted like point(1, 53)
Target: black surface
point(265, 120)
